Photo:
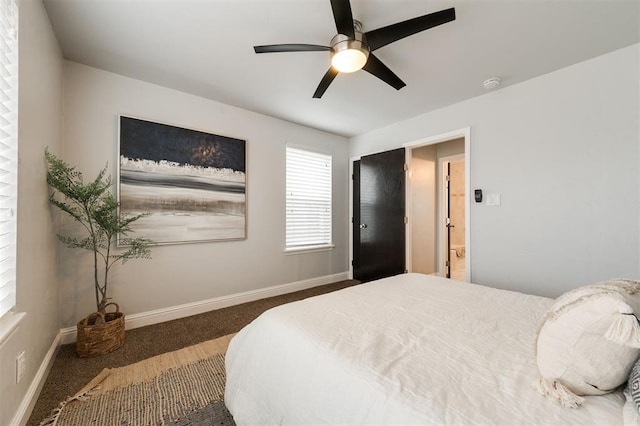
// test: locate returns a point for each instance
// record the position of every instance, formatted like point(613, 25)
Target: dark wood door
point(381, 208)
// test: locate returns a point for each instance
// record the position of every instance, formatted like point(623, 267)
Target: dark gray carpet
point(213, 414)
point(70, 372)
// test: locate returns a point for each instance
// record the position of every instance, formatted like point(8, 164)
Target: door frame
point(464, 133)
point(351, 224)
point(443, 252)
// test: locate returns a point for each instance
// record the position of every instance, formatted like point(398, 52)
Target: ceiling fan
point(351, 49)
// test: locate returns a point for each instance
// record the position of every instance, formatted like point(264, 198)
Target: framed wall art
point(191, 183)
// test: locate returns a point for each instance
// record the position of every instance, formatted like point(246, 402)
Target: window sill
point(8, 324)
point(309, 249)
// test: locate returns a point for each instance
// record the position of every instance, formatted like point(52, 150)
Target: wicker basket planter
point(104, 337)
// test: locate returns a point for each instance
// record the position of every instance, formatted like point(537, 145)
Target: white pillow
point(588, 341)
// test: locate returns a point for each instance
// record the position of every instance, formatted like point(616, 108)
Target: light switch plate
point(493, 199)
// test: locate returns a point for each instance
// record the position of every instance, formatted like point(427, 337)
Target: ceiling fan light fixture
point(349, 60)
point(349, 55)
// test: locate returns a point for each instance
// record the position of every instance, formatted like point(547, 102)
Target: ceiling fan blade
point(343, 17)
point(385, 35)
point(375, 67)
point(275, 48)
point(325, 82)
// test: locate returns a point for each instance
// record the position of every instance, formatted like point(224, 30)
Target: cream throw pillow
point(588, 341)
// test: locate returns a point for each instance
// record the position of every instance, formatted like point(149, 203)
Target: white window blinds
point(308, 199)
point(8, 151)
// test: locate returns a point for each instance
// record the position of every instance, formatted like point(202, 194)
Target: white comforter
point(410, 349)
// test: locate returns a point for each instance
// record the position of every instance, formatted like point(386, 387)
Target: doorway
point(438, 206)
point(425, 248)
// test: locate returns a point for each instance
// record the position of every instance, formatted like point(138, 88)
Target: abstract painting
point(191, 184)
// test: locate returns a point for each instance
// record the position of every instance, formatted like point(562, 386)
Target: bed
point(409, 349)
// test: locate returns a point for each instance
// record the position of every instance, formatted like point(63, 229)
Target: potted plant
point(96, 209)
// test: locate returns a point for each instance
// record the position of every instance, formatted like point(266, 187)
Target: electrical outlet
point(20, 366)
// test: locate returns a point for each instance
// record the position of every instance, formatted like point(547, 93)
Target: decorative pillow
point(631, 408)
point(633, 386)
point(588, 341)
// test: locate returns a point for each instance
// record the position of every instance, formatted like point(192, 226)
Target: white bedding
point(406, 350)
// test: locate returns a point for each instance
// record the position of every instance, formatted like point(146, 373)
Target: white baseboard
point(26, 406)
point(180, 311)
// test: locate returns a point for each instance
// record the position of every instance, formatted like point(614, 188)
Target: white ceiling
point(206, 48)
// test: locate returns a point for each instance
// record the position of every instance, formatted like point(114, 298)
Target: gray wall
point(186, 273)
point(39, 117)
point(562, 150)
point(423, 209)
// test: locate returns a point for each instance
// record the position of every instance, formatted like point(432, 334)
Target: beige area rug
point(184, 387)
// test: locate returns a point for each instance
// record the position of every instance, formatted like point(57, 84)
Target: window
point(8, 151)
point(308, 199)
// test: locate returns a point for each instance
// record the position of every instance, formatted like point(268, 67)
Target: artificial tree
point(96, 209)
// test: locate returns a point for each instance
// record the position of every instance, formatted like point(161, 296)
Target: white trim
point(31, 397)
point(465, 132)
point(180, 311)
point(308, 249)
point(9, 322)
point(408, 209)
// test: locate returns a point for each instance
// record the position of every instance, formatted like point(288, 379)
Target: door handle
point(363, 226)
point(450, 225)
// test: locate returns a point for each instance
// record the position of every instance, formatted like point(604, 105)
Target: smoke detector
point(491, 83)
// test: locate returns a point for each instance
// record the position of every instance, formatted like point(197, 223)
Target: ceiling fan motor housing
point(345, 45)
